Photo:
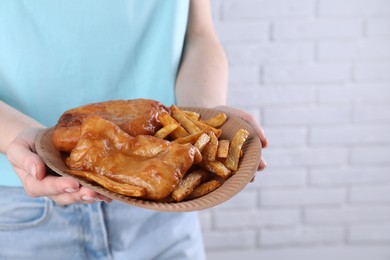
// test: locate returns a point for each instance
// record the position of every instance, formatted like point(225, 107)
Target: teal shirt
point(56, 55)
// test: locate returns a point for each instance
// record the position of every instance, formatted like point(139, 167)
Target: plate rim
point(209, 200)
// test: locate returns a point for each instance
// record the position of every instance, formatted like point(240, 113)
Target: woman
point(57, 55)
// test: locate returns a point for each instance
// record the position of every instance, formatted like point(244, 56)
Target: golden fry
point(187, 185)
point(192, 114)
point(233, 157)
point(204, 189)
point(166, 130)
point(206, 127)
point(184, 120)
point(218, 168)
point(210, 151)
point(216, 121)
point(202, 141)
point(166, 119)
point(190, 139)
point(223, 148)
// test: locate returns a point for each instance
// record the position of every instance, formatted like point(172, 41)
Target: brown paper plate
point(246, 171)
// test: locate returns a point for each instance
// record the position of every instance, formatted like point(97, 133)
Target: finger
point(84, 196)
point(260, 132)
point(262, 165)
point(49, 186)
point(256, 127)
point(250, 119)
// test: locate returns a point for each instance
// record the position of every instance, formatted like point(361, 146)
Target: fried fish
point(141, 166)
point(135, 117)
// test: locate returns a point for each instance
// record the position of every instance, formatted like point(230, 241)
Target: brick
point(230, 239)
point(302, 236)
point(246, 199)
point(252, 96)
point(361, 8)
point(347, 215)
point(317, 29)
point(282, 136)
point(215, 6)
point(372, 155)
point(244, 75)
point(318, 252)
point(303, 197)
point(280, 178)
point(377, 193)
point(316, 156)
point(374, 71)
point(350, 175)
point(375, 113)
point(242, 31)
point(307, 73)
point(304, 115)
point(259, 9)
point(372, 92)
point(256, 218)
point(362, 50)
point(369, 233)
point(350, 134)
point(269, 53)
point(378, 27)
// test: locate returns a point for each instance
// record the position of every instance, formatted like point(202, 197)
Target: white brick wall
point(316, 74)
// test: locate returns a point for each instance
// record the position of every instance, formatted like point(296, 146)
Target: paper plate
point(246, 171)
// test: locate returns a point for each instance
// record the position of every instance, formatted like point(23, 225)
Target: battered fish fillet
point(135, 117)
point(141, 166)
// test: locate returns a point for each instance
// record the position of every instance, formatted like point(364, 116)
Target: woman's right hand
point(31, 170)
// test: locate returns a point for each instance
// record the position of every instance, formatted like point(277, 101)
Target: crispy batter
point(144, 161)
point(135, 117)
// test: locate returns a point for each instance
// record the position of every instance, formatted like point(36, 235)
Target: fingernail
point(69, 190)
point(88, 198)
point(33, 170)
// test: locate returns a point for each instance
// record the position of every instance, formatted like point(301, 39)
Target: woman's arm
point(203, 74)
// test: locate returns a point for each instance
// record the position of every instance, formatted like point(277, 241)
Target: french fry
point(166, 130)
point(187, 185)
point(210, 151)
point(188, 139)
point(233, 157)
point(184, 120)
point(223, 148)
point(206, 127)
point(202, 141)
point(166, 119)
point(216, 121)
point(192, 114)
point(204, 189)
point(218, 168)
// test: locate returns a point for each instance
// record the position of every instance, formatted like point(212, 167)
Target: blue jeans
point(37, 228)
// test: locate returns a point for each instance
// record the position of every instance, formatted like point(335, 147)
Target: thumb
point(20, 156)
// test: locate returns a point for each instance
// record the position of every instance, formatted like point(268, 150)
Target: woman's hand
point(252, 121)
point(31, 170)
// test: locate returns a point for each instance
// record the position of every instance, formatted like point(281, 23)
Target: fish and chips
point(140, 148)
